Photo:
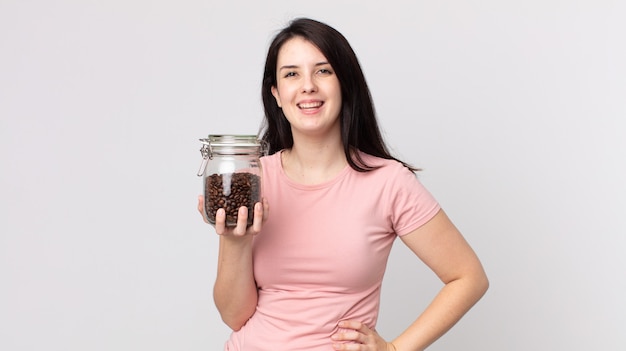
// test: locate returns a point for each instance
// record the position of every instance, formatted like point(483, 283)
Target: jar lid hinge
point(207, 154)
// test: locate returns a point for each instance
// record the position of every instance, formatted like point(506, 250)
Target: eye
point(325, 71)
point(289, 74)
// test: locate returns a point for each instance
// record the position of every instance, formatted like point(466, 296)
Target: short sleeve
point(412, 205)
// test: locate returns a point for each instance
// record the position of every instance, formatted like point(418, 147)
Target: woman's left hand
point(361, 338)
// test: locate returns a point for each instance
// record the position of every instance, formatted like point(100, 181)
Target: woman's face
point(307, 88)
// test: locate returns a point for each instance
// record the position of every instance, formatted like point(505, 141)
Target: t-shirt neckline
point(321, 185)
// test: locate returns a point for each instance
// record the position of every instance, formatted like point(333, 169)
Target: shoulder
point(388, 175)
point(385, 167)
point(393, 178)
point(271, 160)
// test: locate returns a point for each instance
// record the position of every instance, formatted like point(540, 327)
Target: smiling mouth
point(310, 105)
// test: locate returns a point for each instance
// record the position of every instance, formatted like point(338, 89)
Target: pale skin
point(308, 92)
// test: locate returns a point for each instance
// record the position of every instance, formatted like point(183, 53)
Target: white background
point(514, 109)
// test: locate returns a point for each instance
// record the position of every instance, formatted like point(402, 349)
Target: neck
point(314, 162)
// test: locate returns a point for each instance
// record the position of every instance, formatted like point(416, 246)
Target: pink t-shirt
point(322, 253)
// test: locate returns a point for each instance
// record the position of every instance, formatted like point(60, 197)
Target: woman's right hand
point(261, 211)
point(235, 291)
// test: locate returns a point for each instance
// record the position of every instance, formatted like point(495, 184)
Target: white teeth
point(310, 105)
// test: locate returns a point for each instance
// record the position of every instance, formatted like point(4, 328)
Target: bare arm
point(235, 290)
point(442, 247)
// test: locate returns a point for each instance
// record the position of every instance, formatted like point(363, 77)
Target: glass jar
point(231, 174)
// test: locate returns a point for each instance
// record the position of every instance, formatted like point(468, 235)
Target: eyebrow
point(296, 66)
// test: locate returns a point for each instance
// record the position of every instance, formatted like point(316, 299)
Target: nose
point(308, 85)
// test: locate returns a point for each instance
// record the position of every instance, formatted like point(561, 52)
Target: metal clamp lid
point(207, 154)
point(232, 143)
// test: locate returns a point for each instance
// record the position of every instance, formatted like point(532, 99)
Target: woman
point(308, 276)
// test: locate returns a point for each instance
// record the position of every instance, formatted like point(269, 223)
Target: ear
point(276, 96)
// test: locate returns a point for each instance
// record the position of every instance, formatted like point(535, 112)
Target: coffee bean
point(231, 191)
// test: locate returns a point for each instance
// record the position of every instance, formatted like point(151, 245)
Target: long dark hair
point(359, 127)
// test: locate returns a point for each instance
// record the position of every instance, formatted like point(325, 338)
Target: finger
point(354, 325)
point(201, 208)
point(266, 209)
point(242, 221)
point(220, 221)
point(259, 215)
point(348, 336)
point(200, 203)
point(354, 347)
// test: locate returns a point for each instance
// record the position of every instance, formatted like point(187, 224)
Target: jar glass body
point(231, 175)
